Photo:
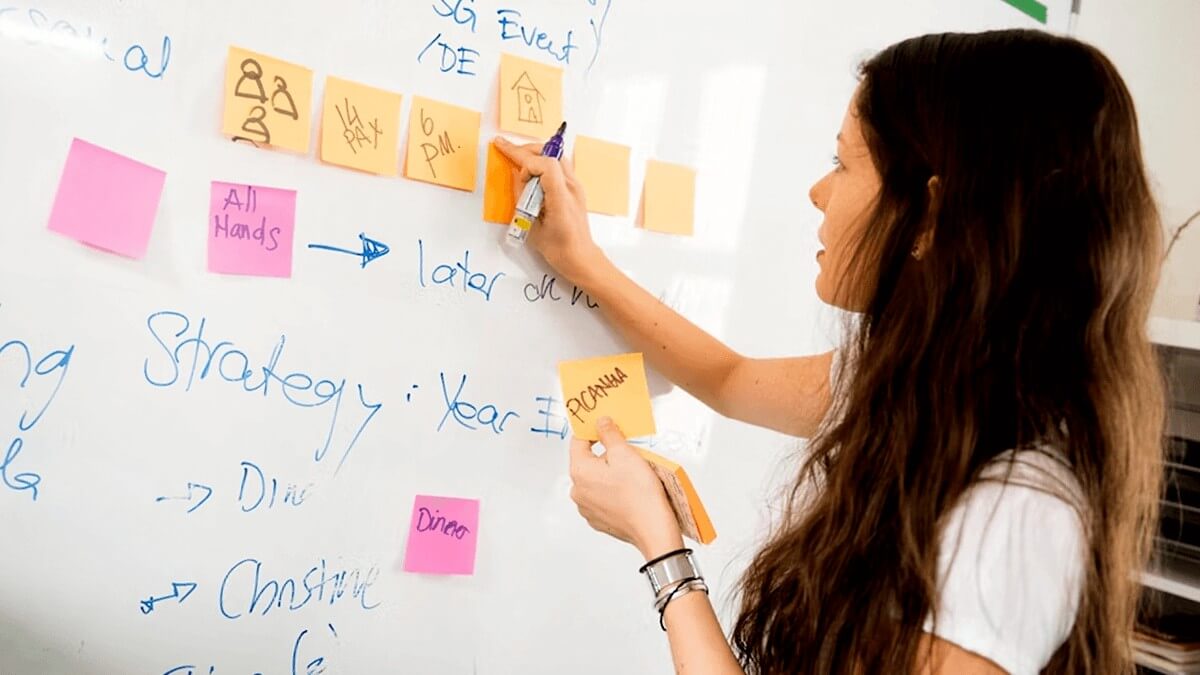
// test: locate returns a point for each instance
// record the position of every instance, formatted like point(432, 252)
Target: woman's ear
point(925, 239)
point(934, 185)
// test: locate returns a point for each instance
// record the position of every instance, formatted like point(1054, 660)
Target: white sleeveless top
point(1010, 560)
point(1010, 564)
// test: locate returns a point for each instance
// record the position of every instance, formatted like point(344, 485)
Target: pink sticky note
point(250, 230)
point(106, 200)
point(441, 537)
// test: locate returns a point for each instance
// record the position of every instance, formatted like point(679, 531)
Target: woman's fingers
point(517, 153)
point(610, 435)
point(528, 158)
point(561, 235)
point(573, 184)
point(581, 455)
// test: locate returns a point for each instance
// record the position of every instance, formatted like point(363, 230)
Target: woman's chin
point(822, 293)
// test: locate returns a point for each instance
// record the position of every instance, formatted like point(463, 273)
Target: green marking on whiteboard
point(1031, 7)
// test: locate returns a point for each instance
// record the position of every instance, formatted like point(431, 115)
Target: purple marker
point(529, 206)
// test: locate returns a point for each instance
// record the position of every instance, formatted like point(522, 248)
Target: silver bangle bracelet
point(666, 572)
point(679, 590)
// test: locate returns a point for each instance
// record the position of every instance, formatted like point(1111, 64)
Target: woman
point(984, 454)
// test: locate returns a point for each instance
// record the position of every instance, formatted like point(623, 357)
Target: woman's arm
point(790, 395)
point(936, 656)
point(619, 494)
point(698, 645)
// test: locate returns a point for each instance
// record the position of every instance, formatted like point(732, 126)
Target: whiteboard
point(154, 478)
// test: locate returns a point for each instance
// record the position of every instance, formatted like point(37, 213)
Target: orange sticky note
point(670, 198)
point(443, 144)
point(499, 201)
point(530, 97)
point(603, 170)
point(267, 101)
point(689, 510)
point(360, 127)
point(607, 386)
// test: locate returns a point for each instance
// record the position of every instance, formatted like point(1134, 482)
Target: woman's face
point(845, 195)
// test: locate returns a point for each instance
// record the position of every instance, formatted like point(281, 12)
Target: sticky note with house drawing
point(607, 386)
point(530, 97)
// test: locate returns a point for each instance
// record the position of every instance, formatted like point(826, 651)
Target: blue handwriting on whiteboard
point(256, 490)
point(232, 365)
point(301, 665)
point(199, 488)
point(554, 424)
point(452, 57)
point(179, 589)
point(458, 275)
point(315, 666)
point(512, 28)
point(38, 26)
point(246, 591)
point(141, 61)
point(460, 12)
point(466, 414)
point(55, 362)
point(252, 499)
point(598, 30)
point(371, 249)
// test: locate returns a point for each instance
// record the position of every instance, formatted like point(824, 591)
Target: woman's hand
point(561, 234)
point(619, 494)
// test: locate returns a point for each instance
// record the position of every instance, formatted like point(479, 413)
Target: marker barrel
point(528, 208)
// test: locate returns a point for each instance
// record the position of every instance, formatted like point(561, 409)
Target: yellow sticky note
point(669, 198)
point(530, 97)
point(360, 127)
point(603, 170)
point(499, 200)
point(607, 386)
point(267, 101)
point(443, 144)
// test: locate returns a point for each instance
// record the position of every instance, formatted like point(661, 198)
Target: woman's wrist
point(586, 268)
point(662, 541)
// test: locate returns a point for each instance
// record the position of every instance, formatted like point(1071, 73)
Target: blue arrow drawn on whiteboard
point(179, 589)
point(207, 494)
point(371, 249)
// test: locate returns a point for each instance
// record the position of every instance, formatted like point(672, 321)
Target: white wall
point(1156, 46)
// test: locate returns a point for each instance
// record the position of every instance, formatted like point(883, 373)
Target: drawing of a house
point(529, 100)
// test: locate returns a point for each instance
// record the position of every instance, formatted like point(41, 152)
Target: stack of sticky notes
point(689, 512)
point(616, 387)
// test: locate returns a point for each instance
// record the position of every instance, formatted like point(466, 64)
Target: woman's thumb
point(610, 434)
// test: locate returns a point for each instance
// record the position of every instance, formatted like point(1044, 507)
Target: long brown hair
point(1024, 323)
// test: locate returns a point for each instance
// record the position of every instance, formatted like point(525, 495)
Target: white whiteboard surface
point(751, 95)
